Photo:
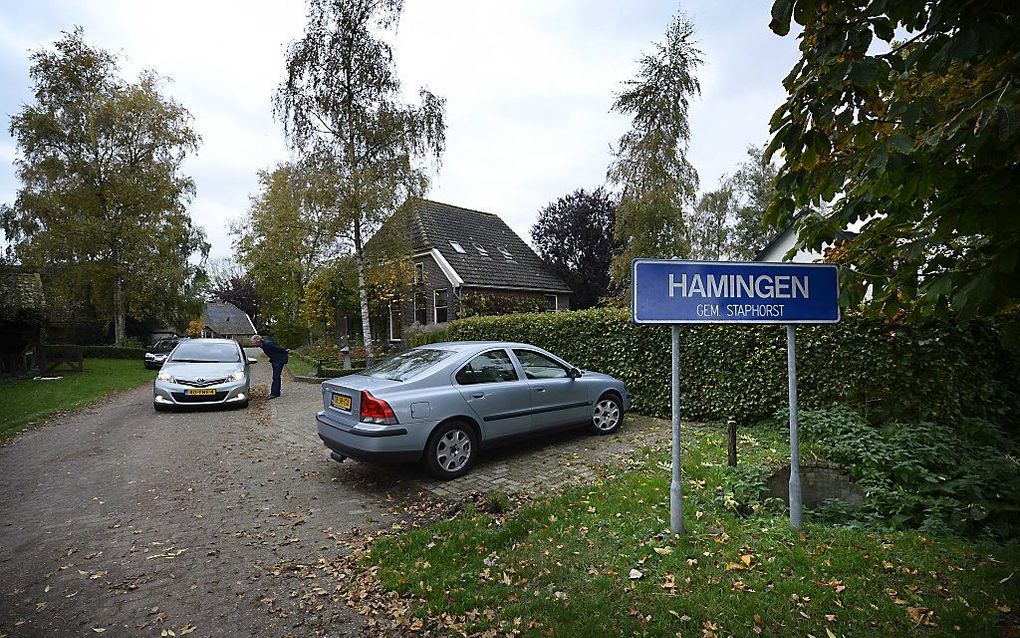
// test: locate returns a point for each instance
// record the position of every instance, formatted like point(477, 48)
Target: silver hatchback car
point(203, 372)
point(443, 402)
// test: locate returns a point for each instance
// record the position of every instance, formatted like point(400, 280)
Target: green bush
point(101, 352)
point(930, 476)
point(931, 371)
point(432, 333)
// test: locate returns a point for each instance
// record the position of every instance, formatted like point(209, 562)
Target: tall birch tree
point(341, 107)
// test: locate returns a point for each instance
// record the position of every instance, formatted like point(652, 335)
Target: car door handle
point(539, 389)
point(478, 395)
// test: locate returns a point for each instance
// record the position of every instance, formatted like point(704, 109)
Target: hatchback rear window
point(406, 364)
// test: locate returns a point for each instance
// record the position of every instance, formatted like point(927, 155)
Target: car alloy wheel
point(607, 415)
point(453, 450)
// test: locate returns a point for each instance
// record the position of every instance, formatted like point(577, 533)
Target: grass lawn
point(26, 401)
point(562, 566)
point(300, 365)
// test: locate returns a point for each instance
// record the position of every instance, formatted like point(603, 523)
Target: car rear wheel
point(451, 450)
point(607, 415)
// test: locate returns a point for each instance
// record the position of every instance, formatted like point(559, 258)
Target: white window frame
point(481, 249)
point(435, 305)
point(391, 323)
point(424, 304)
point(457, 247)
point(419, 273)
point(556, 303)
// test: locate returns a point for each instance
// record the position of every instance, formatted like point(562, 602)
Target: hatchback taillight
point(375, 410)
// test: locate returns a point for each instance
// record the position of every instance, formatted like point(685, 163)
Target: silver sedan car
point(203, 372)
point(441, 403)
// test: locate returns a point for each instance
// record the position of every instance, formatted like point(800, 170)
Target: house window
point(481, 249)
point(440, 303)
point(506, 253)
point(419, 273)
point(456, 246)
point(395, 321)
point(552, 303)
point(421, 316)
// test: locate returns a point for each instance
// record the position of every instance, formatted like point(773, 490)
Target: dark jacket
point(275, 352)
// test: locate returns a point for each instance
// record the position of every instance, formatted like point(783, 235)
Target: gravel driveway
point(120, 521)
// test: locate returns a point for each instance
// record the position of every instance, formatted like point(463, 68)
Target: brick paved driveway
point(132, 522)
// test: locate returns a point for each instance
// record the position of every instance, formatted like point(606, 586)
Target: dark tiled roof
point(435, 225)
point(22, 293)
point(227, 319)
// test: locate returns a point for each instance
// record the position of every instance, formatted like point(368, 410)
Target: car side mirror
point(252, 361)
point(574, 373)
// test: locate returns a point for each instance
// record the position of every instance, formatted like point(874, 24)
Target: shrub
point(932, 371)
point(931, 476)
point(432, 333)
point(102, 352)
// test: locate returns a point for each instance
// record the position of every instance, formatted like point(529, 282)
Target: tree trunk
point(359, 258)
point(119, 313)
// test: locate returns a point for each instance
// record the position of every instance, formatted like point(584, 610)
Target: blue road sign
point(672, 291)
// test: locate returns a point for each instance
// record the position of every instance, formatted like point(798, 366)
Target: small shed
point(21, 315)
point(226, 321)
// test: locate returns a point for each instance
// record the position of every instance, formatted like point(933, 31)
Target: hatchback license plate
point(202, 392)
point(341, 402)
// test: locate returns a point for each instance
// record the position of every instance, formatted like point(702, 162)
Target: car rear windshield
point(406, 364)
point(199, 352)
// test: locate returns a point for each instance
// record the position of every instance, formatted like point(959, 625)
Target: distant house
point(227, 321)
point(785, 240)
point(459, 254)
point(21, 315)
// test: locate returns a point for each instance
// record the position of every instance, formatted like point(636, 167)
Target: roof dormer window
point(457, 247)
point(481, 249)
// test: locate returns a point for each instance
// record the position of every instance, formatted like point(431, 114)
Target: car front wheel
point(451, 450)
point(607, 415)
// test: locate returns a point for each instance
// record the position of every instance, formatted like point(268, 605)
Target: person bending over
point(277, 357)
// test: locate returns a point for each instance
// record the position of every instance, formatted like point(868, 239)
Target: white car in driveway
point(203, 372)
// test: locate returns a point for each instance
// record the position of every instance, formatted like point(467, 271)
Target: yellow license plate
point(342, 402)
point(200, 392)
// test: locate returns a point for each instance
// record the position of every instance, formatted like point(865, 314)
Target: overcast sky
point(528, 86)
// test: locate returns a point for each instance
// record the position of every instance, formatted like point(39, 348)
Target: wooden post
point(731, 448)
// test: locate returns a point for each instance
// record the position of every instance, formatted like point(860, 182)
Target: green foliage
point(930, 476)
point(476, 304)
point(919, 139)
point(131, 351)
point(651, 166)
point(341, 105)
point(559, 565)
point(931, 370)
point(101, 210)
point(432, 333)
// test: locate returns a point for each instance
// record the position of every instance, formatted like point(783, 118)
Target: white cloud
point(528, 86)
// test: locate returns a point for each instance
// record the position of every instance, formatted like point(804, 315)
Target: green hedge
point(931, 370)
point(102, 352)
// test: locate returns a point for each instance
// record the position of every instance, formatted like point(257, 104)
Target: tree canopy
point(650, 167)
point(575, 236)
point(101, 211)
point(915, 141)
point(341, 107)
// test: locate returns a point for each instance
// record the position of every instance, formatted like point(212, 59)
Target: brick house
point(460, 255)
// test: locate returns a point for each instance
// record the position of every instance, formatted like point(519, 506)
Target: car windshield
point(407, 364)
point(206, 352)
point(163, 345)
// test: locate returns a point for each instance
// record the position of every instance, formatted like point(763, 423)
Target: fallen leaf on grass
point(663, 550)
point(635, 574)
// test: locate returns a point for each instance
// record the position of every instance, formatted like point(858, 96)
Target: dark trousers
point(277, 371)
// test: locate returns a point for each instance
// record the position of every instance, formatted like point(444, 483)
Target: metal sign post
point(676, 489)
point(676, 292)
point(796, 507)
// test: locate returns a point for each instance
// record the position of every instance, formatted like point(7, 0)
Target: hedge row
point(101, 352)
point(930, 370)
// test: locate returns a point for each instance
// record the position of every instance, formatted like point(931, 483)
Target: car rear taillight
point(375, 410)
